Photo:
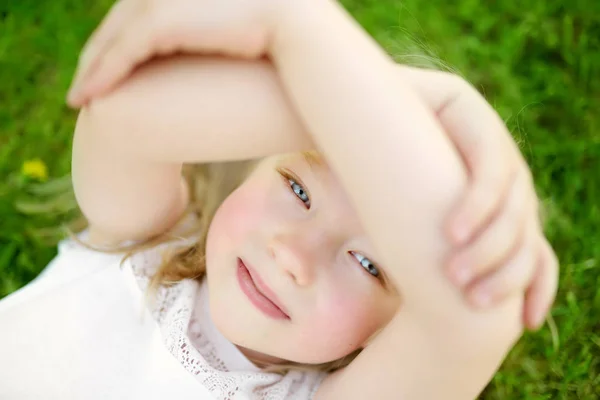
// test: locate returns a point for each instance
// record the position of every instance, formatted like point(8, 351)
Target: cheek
point(342, 323)
point(237, 217)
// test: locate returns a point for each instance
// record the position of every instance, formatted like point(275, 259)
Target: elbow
point(122, 195)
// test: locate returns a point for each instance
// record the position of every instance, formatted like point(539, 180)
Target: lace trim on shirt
point(186, 339)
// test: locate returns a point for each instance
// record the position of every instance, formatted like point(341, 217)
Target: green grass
point(537, 62)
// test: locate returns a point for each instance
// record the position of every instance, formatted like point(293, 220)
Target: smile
point(258, 292)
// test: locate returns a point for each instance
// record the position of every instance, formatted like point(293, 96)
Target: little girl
point(313, 269)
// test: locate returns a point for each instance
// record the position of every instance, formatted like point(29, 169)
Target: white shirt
point(83, 330)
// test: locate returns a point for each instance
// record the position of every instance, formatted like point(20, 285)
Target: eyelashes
point(297, 187)
point(366, 264)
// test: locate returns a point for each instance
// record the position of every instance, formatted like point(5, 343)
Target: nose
point(297, 254)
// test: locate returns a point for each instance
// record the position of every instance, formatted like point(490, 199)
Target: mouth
point(259, 294)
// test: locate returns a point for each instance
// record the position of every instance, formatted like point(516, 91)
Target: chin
point(306, 356)
point(320, 354)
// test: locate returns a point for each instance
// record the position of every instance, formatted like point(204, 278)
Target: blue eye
point(366, 264)
point(299, 191)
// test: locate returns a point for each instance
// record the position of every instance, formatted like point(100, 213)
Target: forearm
point(200, 109)
point(403, 176)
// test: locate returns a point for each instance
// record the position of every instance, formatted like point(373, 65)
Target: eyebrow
point(313, 157)
point(315, 161)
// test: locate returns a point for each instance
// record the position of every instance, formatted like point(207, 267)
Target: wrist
point(304, 32)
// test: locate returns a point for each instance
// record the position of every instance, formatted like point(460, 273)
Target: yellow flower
point(35, 169)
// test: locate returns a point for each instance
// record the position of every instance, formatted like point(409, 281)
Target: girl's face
point(291, 273)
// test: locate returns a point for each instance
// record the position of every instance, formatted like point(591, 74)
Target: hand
point(136, 30)
point(500, 246)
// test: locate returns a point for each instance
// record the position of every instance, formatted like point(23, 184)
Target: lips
point(259, 293)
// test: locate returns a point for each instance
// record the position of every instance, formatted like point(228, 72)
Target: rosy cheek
point(239, 214)
point(341, 324)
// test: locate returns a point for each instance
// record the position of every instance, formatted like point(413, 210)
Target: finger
point(510, 278)
point(496, 243)
point(484, 151)
point(485, 194)
point(132, 47)
point(540, 295)
point(97, 43)
point(108, 28)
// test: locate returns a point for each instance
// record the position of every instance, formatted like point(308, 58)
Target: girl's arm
point(403, 176)
point(129, 146)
